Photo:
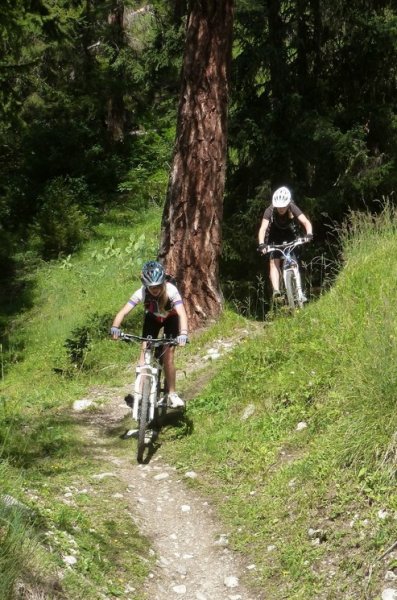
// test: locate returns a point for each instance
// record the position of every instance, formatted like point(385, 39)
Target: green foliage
point(82, 338)
point(18, 542)
point(313, 107)
point(61, 227)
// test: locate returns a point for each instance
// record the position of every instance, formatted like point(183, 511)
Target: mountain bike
point(291, 283)
point(149, 401)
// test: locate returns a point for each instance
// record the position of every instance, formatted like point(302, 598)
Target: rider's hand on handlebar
point(115, 332)
point(182, 339)
point(262, 248)
point(309, 237)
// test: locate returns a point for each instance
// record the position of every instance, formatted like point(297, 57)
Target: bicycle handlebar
point(284, 245)
point(129, 337)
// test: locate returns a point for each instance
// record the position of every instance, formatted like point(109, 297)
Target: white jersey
point(151, 302)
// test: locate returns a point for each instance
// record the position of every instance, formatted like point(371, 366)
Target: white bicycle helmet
point(152, 273)
point(281, 197)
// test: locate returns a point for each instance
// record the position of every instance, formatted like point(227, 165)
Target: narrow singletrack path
point(193, 560)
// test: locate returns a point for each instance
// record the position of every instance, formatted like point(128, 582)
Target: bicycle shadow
point(175, 423)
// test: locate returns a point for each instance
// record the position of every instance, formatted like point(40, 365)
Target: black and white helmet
point(281, 197)
point(152, 273)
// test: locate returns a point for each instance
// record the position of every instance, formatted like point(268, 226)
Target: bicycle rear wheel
point(143, 418)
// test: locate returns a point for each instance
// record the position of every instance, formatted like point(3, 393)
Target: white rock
point(390, 576)
point(248, 412)
point(69, 560)
point(200, 596)
point(251, 567)
point(161, 476)
point(222, 540)
point(117, 495)
point(129, 589)
point(389, 594)
point(191, 475)
point(185, 508)
point(179, 589)
point(383, 514)
point(301, 426)
point(103, 475)
point(231, 581)
point(271, 548)
point(80, 405)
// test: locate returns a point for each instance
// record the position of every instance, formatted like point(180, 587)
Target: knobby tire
point(290, 289)
point(143, 420)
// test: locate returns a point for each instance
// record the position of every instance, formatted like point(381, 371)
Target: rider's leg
point(170, 376)
point(275, 273)
point(171, 329)
point(169, 368)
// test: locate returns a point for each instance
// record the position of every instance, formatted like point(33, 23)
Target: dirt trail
point(193, 561)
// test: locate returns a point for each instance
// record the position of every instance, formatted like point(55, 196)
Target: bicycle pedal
point(131, 433)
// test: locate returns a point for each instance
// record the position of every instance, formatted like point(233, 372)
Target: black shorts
point(151, 326)
point(280, 237)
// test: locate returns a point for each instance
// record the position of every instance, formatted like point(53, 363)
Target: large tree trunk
point(192, 219)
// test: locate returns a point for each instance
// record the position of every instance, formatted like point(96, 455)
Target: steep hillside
point(296, 436)
point(292, 434)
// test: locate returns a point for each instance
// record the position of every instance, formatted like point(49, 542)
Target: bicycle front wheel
point(294, 299)
point(143, 418)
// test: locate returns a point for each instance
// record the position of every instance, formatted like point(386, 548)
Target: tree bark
point(191, 235)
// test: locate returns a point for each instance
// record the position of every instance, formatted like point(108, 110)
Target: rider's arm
point(118, 319)
point(180, 309)
point(306, 224)
point(135, 299)
point(262, 231)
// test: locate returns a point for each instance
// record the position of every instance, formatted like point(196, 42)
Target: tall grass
point(331, 368)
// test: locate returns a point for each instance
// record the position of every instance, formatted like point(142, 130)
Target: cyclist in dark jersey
point(280, 223)
point(163, 309)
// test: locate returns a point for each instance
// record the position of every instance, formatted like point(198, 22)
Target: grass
point(330, 367)
point(71, 300)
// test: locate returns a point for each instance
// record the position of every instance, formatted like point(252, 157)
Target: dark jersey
point(282, 227)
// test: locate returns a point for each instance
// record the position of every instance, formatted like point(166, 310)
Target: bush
point(61, 227)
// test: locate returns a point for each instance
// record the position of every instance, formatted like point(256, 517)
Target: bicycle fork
point(143, 372)
point(293, 267)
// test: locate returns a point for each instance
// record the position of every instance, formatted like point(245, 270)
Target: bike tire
point(143, 418)
point(290, 289)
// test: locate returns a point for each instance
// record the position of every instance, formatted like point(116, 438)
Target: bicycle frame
point(290, 271)
point(147, 389)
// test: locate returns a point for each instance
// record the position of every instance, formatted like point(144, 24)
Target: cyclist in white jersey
point(163, 309)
